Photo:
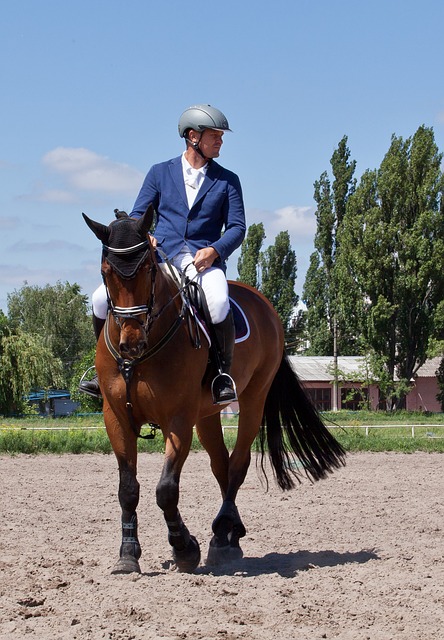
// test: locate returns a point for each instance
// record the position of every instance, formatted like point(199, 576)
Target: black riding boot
point(223, 386)
point(91, 387)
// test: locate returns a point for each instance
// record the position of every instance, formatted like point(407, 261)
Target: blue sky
point(92, 92)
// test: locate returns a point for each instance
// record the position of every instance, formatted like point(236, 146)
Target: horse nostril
point(135, 350)
point(123, 347)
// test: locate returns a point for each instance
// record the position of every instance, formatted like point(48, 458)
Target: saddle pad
point(240, 322)
point(241, 325)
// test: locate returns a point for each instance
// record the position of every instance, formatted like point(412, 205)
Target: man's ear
point(193, 136)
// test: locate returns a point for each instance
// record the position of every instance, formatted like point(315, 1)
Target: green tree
point(392, 251)
point(273, 272)
point(248, 263)
point(320, 292)
point(25, 364)
point(59, 315)
point(440, 379)
point(4, 324)
point(279, 267)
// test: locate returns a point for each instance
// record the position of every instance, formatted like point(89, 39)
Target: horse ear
point(144, 223)
point(100, 230)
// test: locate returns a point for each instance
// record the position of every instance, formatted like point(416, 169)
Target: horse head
point(128, 270)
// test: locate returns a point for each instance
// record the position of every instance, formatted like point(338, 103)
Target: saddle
point(198, 315)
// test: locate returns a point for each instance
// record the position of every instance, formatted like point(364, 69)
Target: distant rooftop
point(320, 368)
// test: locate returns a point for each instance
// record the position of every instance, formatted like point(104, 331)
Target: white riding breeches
point(99, 302)
point(212, 281)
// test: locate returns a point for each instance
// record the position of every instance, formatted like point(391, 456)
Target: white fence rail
point(411, 427)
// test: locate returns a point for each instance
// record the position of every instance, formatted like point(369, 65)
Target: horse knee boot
point(223, 387)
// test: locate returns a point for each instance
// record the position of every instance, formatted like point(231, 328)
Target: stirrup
point(90, 387)
point(223, 389)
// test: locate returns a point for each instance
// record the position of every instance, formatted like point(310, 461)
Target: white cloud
point(45, 247)
point(86, 170)
point(55, 195)
point(7, 223)
point(300, 222)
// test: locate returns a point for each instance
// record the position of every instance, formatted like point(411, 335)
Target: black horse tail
point(294, 433)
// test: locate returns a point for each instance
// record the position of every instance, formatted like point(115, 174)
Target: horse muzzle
point(132, 342)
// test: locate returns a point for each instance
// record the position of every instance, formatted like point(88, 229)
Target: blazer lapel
point(177, 177)
point(211, 176)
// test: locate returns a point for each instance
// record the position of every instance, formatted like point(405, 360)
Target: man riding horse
point(195, 199)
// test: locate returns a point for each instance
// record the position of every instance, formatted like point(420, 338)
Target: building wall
point(423, 396)
point(373, 391)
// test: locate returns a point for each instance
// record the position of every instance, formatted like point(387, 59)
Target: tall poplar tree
point(248, 263)
point(279, 268)
point(320, 293)
point(392, 252)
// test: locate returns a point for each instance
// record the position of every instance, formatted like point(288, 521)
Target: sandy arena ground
point(357, 556)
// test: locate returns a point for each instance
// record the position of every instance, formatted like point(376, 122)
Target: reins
point(126, 365)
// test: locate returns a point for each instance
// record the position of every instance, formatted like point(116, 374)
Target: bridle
point(120, 314)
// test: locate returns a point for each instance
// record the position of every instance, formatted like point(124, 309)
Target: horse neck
point(168, 301)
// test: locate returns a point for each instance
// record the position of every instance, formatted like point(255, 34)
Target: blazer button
point(188, 219)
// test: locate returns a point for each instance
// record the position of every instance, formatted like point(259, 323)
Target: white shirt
point(193, 179)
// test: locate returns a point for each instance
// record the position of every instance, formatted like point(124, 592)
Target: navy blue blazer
point(218, 206)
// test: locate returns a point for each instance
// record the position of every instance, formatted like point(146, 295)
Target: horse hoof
point(125, 565)
point(218, 556)
point(187, 560)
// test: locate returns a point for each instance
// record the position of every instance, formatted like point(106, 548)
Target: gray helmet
point(201, 117)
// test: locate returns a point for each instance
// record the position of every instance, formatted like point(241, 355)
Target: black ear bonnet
point(127, 247)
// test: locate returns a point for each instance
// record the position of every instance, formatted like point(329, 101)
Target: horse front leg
point(186, 550)
point(130, 550)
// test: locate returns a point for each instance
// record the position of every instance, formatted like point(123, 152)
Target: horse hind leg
point(228, 528)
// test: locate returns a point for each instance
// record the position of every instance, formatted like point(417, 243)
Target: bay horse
point(150, 371)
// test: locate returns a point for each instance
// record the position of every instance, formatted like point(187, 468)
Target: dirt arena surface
point(357, 556)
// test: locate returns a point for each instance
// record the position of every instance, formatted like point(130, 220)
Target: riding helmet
point(200, 117)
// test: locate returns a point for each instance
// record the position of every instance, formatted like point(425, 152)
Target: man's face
point(211, 142)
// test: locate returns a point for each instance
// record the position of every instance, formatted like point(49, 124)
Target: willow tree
point(25, 364)
point(57, 313)
point(391, 257)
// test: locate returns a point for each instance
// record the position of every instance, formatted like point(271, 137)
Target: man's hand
point(204, 258)
point(152, 239)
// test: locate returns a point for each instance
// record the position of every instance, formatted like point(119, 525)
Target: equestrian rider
point(195, 199)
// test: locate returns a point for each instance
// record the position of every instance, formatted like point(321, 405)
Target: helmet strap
point(196, 148)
